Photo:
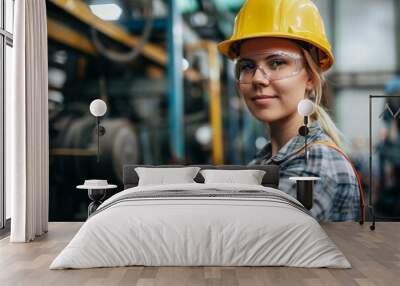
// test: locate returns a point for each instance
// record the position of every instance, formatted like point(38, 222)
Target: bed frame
point(270, 179)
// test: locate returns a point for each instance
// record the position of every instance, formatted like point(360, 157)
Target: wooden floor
point(374, 255)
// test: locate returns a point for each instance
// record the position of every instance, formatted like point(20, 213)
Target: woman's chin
point(266, 117)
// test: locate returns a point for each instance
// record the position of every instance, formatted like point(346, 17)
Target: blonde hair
point(323, 118)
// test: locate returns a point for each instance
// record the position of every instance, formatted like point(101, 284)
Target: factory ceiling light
point(185, 64)
point(199, 19)
point(107, 12)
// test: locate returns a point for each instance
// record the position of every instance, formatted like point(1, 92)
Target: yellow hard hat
point(291, 19)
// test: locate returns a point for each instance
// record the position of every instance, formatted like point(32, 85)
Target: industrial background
point(171, 96)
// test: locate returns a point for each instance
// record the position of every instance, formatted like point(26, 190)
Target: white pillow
point(249, 177)
point(162, 176)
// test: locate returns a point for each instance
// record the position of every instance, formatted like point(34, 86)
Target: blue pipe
point(233, 117)
point(175, 81)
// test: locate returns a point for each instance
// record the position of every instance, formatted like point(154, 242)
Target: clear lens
point(272, 65)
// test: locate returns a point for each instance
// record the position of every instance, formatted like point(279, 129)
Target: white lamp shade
point(305, 107)
point(98, 107)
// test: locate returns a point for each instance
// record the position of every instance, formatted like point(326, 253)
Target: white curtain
point(27, 153)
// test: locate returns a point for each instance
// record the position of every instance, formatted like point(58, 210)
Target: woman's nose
point(260, 77)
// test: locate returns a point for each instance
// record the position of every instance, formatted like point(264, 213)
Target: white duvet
point(200, 231)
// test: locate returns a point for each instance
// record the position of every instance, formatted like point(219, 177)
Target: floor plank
point(374, 255)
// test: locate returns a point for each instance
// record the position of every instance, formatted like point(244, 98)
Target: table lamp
point(98, 108)
point(305, 184)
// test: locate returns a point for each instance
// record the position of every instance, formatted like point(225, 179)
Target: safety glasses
point(273, 65)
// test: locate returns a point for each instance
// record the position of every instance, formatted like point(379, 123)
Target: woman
point(281, 50)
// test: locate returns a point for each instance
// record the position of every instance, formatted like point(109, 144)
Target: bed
point(201, 224)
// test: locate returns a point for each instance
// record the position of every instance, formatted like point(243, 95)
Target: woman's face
point(270, 98)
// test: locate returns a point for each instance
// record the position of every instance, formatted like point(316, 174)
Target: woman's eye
point(247, 67)
point(274, 64)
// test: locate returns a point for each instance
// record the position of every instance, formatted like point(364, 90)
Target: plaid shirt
point(336, 195)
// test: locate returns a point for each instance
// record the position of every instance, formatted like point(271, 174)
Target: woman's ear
point(309, 79)
point(309, 88)
point(310, 82)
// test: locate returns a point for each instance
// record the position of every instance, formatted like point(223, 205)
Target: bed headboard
point(270, 179)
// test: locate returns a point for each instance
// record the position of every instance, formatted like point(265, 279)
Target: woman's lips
point(263, 99)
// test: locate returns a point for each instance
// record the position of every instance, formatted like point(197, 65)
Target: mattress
point(201, 225)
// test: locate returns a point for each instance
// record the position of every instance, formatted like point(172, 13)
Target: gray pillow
point(249, 177)
point(162, 176)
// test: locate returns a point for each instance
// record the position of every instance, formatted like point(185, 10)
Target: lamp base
point(97, 196)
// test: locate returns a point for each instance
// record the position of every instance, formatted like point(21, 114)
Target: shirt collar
point(291, 146)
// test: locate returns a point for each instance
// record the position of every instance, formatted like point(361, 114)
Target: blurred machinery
point(129, 60)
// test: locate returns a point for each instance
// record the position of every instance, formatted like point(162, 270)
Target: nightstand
point(96, 191)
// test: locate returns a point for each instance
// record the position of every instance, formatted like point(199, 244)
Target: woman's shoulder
point(330, 161)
